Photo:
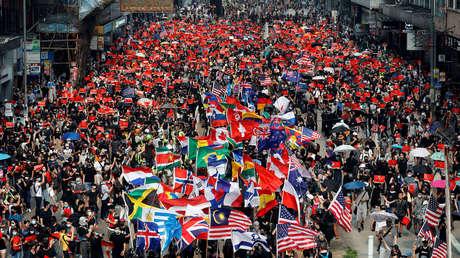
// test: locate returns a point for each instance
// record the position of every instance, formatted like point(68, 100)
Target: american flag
point(285, 216)
point(266, 81)
point(439, 249)
point(340, 211)
point(223, 221)
point(303, 61)
point(433, 212)
point(283, 241)
point(218, 89)
point(303, 237)
point(426, 232)
point(309, 135)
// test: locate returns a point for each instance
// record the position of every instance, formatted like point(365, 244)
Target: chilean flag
point(289, 196)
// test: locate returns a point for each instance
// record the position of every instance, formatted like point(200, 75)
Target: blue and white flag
point(247, 240)
point(251, 196)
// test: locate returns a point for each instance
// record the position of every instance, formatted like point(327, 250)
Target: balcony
point(417, 16)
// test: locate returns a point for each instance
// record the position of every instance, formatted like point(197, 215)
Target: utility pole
point(432, 52)
point(447, 193)
point(24, 60)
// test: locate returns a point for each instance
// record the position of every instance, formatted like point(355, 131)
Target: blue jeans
point(16, 254)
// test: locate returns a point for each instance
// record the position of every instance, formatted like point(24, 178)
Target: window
point(450, 3)
point(457, 6)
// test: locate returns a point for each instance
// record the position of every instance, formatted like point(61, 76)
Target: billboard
point(146, 6)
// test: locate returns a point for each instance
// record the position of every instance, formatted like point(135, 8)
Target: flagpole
point(207, 239)
point(448, 212)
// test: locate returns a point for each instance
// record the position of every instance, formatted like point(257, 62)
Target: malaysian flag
point(309, 135)
point(218, 90)
point(283, 241)
point(266, 81)
point(426, 232)
point(340, 211)
point(433, 212)
point(223, 221)
point(439, 249)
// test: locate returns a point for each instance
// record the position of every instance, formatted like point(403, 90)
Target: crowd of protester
point(64, 197)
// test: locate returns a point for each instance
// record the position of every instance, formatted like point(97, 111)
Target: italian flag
point(166, 159)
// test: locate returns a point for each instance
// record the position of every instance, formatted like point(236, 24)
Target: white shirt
point(38, 189)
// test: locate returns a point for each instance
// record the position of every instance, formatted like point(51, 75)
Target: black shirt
point(423, 252)
point(118, 240)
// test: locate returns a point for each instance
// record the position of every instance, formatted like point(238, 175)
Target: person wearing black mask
point(119, 244)
point(423, 251)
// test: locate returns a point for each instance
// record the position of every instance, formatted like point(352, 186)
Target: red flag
point(392, 162)
point(9, 124)
point(441, 146)
point(123, 124)
point(406, 148)
point(336, 164)
point(439, 164)
point(42, 103)
point(170, 113)
point(428, 177)
point(268, 180)
point(379, 179)
point(83, 124)
point(38, 167)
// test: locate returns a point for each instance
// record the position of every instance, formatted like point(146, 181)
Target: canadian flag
point(280, 169)
point(242, 130)
point(219, 135)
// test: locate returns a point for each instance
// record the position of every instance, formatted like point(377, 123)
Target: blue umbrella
point(396, 146)
point(73, 136)
point(354, 185)
point(4, 156)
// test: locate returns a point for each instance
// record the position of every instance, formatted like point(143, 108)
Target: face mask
point(32, 232)
point(13, 224)
point(419, 196)
point(117, 232)
point(33, 222)
point(15, 233)
point(409, 175)
point(69, 225)
point(90, 213)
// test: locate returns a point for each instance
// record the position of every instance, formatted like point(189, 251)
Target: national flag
point(267, 202)
point(439, 164)
point(262, 102)
point(248, 167)
point(139, 176)
point(297, 181)
point(283, 241)
point(223, 221)
point(233, 197)
point(247, 240)
point(439, 249)
point(192, 148)
point(379, 179)
point(267, 180)
point(289, 196)
point(205, 153)
point(288, 119)
point(218, 119)
point(235, 146)
point(340, 211)
point(251, 196)
point(219, 135)
point(214, 197)
point(285, 216)
point(180, 205)
point(276, 166)
point(140, 201)
point(183, 181)
point(303, 237)
point(166, 159)
point(251, 116)
point(183, 141)
point(266, 81)
point(217, 166)
point(427, 232)
point(191, 230)
point(309, 135)
point(204, 141)
point(295, 163)
point(147, 236)
point(242, 130)
point(218, 89)
point(262, 135)
point(433, 212)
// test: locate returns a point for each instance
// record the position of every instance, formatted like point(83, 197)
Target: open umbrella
point(420, 152)
point(396, 146)
point(73, 136)
point(128, 92)
point(329, 70)
point(440, 184)
point(422, 169)
point(340, 127)
point(4, 156)
point(344, 148)
point(317, 78)
point(140, 54)
point(354, 185)
point(378, 216)
point(168, 105)
point(438, 156)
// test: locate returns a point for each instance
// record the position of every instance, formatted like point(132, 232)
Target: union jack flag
point(191, 230)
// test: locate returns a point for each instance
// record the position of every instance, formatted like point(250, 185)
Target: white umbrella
point(420, 152)
point(329, 69)
point(140, 54)
point(357, 54)
point(340, 127)
point(382, 216)
point(317, 78)
point(344, 148)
